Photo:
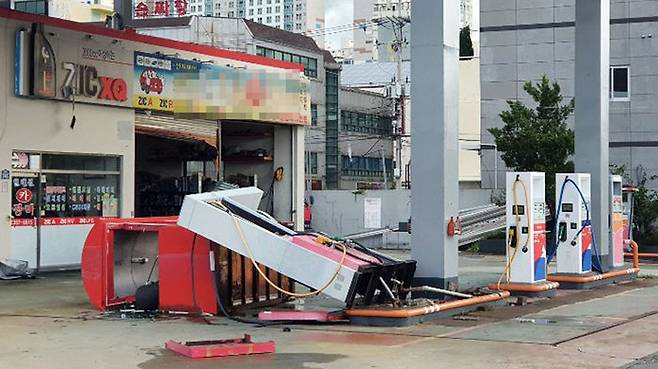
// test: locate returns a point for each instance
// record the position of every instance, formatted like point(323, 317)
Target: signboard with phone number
point(23, 197)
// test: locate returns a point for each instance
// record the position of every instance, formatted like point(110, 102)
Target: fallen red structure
point(122, 255)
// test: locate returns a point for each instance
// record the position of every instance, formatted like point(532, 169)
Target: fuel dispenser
point(572, 237)
point(576, 250)
point(628, 193)
point(616, 222)
point(525, 270)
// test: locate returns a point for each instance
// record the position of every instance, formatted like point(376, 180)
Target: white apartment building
point(75, 10)
point(299, 16)
point(196, 7)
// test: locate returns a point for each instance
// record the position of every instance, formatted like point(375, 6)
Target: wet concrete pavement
point(47, 323)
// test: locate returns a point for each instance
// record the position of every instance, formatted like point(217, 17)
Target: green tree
point(465, 43)
point(538, 139)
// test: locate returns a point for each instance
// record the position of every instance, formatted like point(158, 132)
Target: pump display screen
point(521, 210)
point(567, 208)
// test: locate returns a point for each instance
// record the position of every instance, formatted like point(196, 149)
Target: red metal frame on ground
point(221, 348)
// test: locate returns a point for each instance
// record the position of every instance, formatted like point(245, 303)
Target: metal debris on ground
point(131, 314)
point(469, 318)
point(302, 316)
point(536, 321)
point(14, 269)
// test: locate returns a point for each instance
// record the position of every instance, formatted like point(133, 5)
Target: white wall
point(341, 213)
point(43, 125)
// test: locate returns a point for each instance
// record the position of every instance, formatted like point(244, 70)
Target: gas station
point(587, 240)
point(225, 255)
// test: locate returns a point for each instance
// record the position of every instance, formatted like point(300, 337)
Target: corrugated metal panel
point(170, 127)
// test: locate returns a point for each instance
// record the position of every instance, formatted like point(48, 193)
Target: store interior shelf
point(247, 158)
point(248, 135)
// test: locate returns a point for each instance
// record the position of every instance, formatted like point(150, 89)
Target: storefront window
point(81, 163)
point(68, 186)
point(80, 195)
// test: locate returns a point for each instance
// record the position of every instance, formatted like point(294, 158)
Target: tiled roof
point(297, 40)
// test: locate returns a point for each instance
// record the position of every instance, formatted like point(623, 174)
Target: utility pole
point(384, 166)
point(398, 22)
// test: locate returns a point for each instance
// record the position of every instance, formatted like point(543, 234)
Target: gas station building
point(90, 128)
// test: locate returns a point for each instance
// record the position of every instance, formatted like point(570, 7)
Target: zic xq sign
point(84, 80)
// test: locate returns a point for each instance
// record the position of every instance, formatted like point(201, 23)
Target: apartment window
point(298, 26)
point(277, 9)
point(269, 19)
point(314, 114)
point(620, 81)
point(231, 14)
point(251, 12)
point(251, 2)
point(310, 64)
point(260, 19)
point(35, 7)
point(277, 19)
point(366, 123)
point(312, 162)
point(359, 166)
point(260, 11)
point(231, 4)
point(269, 10)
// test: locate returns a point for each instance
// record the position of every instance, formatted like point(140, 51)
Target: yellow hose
point(517, 221)
point(262, 274)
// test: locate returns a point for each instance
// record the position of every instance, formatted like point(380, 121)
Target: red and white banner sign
point(54, 221)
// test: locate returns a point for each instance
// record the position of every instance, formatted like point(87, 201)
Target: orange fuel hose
point(616, 273)
point(516, 287)
point(591, 278)
point(636, 255)
point(434, 308)
point(647, 255)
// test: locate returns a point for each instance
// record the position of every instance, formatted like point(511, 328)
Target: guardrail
point(475, 224)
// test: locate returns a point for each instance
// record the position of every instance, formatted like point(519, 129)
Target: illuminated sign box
point(196, 90)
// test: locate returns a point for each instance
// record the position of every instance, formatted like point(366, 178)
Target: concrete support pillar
point(298, 179)
point(435, 149)
point(592, 126)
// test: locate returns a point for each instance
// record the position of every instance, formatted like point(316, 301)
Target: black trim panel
point(515, 27)
point(634, 144)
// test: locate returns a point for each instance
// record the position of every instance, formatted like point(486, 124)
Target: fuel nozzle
point(512, 236)
point(562, 232)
